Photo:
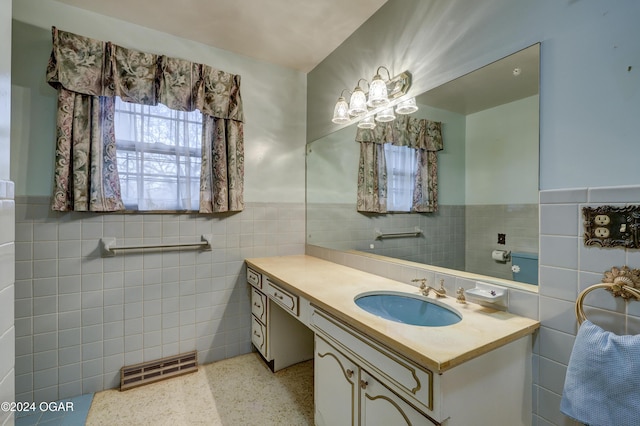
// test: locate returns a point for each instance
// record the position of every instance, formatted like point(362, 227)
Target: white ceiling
point(296, 34)
point(492, 85)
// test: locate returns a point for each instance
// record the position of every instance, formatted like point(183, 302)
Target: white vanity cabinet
point(361, 382)
point(346, 390)
point(278, 328)
point(370, 371)
point(347, 394)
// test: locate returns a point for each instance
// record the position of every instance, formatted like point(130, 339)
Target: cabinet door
point(335, 382)
point(380, 406)
point(259, 336)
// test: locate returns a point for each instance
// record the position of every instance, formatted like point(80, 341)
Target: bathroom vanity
point(375, 371)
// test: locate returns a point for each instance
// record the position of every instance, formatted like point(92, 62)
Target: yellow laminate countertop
point(333, 287)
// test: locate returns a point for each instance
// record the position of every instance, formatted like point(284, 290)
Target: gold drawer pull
point(349, 373)
point(279, 296)
point(363, 384)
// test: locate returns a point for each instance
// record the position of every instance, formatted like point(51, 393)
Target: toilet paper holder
point(501, 255)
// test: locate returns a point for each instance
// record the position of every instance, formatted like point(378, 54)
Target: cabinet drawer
point(254, 278)
point(259, 336)
point(283, 298)
point(404, 377)
point(259, 305)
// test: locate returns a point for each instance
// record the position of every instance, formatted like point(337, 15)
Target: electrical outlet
point(602, 219)
point(611, 226)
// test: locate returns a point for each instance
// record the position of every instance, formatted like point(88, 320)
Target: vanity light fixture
point(380, 97)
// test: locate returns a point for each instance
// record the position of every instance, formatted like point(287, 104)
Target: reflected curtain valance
point(93, 72)
point(405, 131)
point(425, 136)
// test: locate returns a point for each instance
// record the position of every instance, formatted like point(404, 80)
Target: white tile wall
point(567, 267)
point(80, 316)
point(7, 296)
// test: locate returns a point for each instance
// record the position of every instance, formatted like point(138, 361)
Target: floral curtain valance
point(93, 67)
point(405, 131)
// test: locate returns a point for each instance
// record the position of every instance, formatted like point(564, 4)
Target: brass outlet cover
point(608, 226)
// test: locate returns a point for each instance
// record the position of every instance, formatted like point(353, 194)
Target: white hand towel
point(602, 385)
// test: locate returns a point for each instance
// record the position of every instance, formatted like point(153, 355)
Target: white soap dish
point(488, 293)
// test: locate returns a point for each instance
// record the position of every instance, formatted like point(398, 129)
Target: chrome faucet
point(425, 289)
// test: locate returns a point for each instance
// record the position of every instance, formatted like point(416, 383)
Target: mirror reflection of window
point(401, 172)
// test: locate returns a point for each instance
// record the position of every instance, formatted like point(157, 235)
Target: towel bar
point(621, 282)
point(415, 233)
point(108, 245)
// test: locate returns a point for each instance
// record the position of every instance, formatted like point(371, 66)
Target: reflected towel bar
point(108, 245)
point(381, 235)
point(621, 282)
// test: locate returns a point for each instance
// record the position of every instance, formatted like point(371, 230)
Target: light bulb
point(385, 115)
point(367, 123)
point(341, 112)
point(358, 103)
point(407, 106)
point(378, 93)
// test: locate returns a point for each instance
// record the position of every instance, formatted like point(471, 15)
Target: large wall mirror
point(488, 179)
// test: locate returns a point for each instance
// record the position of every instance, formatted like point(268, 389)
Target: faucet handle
point(422, 281)
point(442, 285)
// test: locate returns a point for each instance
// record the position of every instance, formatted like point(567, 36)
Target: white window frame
point(134, 149)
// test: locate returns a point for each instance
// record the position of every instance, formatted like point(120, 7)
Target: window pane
point(158, 152)
point(401, 170)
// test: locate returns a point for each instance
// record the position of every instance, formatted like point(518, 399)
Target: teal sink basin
point(407, 308)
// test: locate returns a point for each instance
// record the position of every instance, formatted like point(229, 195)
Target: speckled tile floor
point(236, 391)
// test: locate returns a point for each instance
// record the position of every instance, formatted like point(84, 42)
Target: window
point(159, 156)
point(401, 171)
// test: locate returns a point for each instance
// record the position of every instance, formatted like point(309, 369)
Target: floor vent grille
point(148, 372)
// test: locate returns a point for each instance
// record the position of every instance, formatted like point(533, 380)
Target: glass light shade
point(407, 106)
point(367, 123)
point(385, 115)
point(358, 103)
point(378, 93)
point(341, 111)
